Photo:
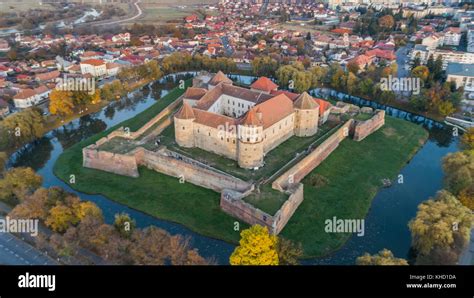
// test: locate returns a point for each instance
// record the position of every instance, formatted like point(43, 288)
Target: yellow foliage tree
point(466, 197)
point(467, 139)
point(84, 209)
point(257, 247)
point(60, 218)
point(446, 108)
point(60, 102)
point(383, 257)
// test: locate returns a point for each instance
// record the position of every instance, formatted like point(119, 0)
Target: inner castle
point(244, 124)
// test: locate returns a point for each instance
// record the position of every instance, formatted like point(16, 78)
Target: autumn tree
point(466, 197)
point(61, 217)
point(288, 252)
point(441, 230)
point(383, 257)
point(422, 72)
point(33, 206)
point(23, 126)
point(386, 22)
point(353, 67)
point(467, 139)
point(3, 161)
point(256, 247)
point(61, 103)
point(458, 168)
point(88, 208)
point(264, 66)
point(124, 224)
point(446, 108)
point(17, 183)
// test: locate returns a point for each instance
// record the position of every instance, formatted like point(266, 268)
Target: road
point(14, 251)
point(139, 13)
point(402, 60)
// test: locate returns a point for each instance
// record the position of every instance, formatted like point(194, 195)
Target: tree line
point(77, 225)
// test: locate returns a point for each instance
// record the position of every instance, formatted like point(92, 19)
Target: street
point(14, 251)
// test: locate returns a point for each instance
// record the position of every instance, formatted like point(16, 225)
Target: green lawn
point(268, 200)
point(353, 173)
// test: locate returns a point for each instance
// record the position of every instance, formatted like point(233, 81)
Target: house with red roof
point(95, 67)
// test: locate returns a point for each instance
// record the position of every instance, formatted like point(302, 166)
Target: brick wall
point(282, 216)
point(110, 162)
point(307, 164)
point(173, 164)
point(232, 203)
point(364, 128)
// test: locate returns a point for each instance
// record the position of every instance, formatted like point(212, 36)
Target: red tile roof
point(95, 62)
point(264, 84)
point(186, 112)
point(275, 109)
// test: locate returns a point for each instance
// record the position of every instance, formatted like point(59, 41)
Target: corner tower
point(184, 126)
point(250, 144)
point(306, 115)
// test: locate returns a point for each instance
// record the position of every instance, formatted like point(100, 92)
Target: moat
point(386, 222)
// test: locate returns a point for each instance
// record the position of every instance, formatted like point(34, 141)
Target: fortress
point(244, 124)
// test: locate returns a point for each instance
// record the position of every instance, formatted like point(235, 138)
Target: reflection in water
point(75, 132)
point(109, 112)
point(34, 155)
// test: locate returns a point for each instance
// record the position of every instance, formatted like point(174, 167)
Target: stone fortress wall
point(310, 162)
point(189, 170)
point(290, 181)
point(363, 129)
point(232, 189)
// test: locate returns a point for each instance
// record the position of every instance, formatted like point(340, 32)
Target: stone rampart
point(296, 173)
point(176, 165)
point(363, 129)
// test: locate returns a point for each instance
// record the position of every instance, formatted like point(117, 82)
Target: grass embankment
point(352, 173)
point(153, 193)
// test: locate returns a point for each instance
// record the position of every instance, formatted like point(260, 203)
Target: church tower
point(184, 126)
point(250, 143)
point(306, 115)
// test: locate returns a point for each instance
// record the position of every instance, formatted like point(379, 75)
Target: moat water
point(385, 224)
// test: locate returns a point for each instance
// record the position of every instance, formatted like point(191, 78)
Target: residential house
point(27, 98)
point(95, 67)
point(452, 36)
point(463, 76)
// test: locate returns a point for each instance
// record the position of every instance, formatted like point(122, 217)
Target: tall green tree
point(383, 257)
point(441, 230)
